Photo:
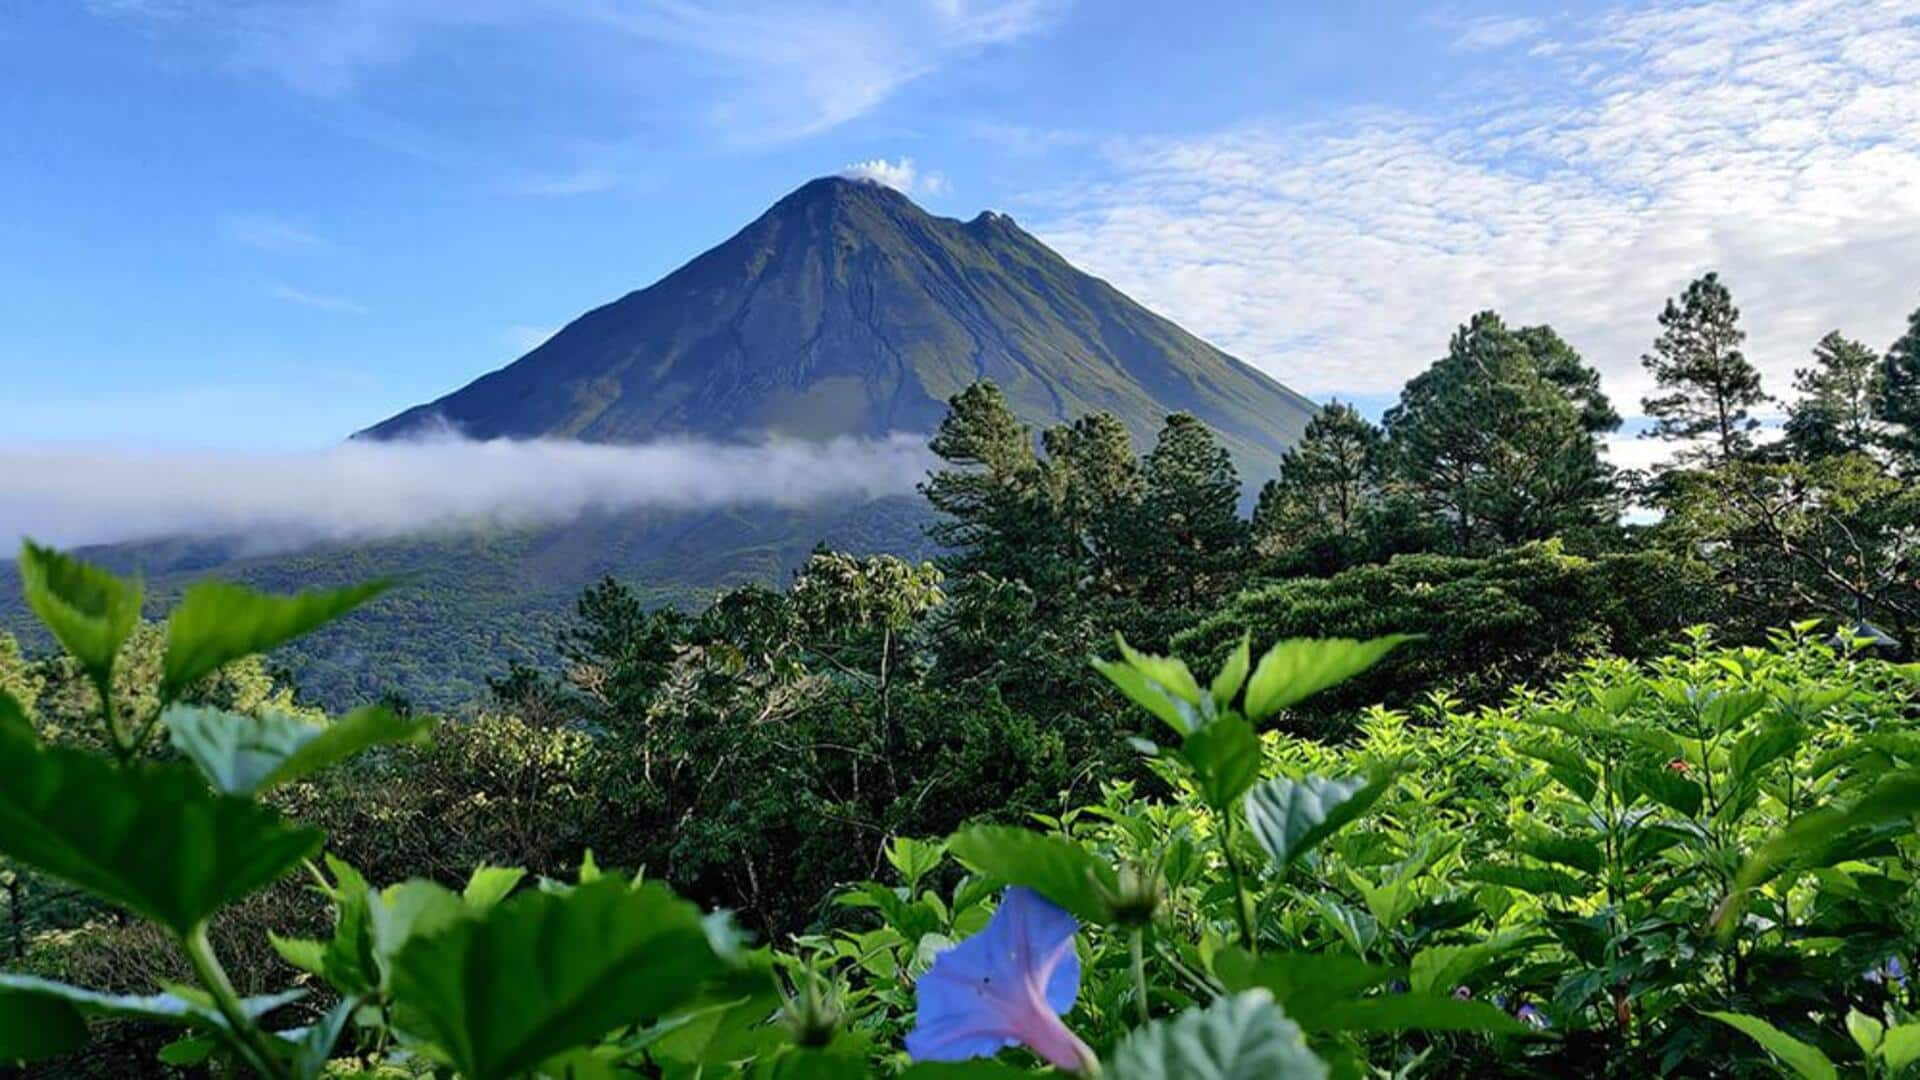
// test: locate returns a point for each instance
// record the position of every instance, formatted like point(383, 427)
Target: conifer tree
point(1834, 412)
point(1710, 388)
point(999, 515)
point(1897, 398)
point(1186, 539)
point(1326, 482)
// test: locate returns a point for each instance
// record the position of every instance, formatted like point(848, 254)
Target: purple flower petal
point(1007, 984)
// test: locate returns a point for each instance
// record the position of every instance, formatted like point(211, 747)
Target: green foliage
point(1834, 412)
point(216, 623)
point(1896, 401)
point(1237, 1038)
point(243, 755)
point(1709, 387)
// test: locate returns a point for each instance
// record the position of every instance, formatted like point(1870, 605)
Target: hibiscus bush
point(1698, 865)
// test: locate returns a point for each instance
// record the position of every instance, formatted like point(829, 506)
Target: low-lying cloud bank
point(371, 490)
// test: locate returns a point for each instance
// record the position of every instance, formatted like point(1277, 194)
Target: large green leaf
point(1437, 969)
point(43, 1018)
point(1226, 759)
point(1242, 1037)
point(13, 720)
point(1295, 669)
point(1289, 817)
point(1305, 985)
point(546, 972)
point(1892, 797)
point(242, 755)
point(218, 622)
point(150, 837)
point(1053, 866)
point(1232, 675)
point(1901, 1047)
point(1804, 1059)
point(90, 611)
point(1418, 1012)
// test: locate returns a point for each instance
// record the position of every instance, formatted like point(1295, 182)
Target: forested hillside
point(1432, 766)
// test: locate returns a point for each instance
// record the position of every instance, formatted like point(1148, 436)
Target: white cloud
point(317, 301)
point(785, 68)
point(1770, 140)
point(269, 233)
point(902, 176)
point(525, 339)
point(368, 490)
point(1498, 32)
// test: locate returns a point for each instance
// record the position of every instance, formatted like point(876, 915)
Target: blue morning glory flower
point(1532, 1017)
point(1009, 984)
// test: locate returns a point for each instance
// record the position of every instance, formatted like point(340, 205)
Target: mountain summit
point(846, 309)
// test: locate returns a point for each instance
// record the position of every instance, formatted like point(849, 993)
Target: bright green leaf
point(1892, 797)
point(1295, 669)
point(1901, 1047)
point(90, 611)
point(1147, 694)
point(1805, 1060)
point(1242, 1037)
point(149, 837)
point(1167, 672)
point(1867, 1032)
point(1226, 759)
point(1289, 817)
point(219, 622)
point(489, 885)
point(545, 972)
point(1233, 675)
point(1056, 868)
point(243, 755)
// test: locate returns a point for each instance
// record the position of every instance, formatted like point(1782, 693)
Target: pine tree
point(1326, 482)
point(1185, 541)
point(1897, 400)
point(1000, 518)
point(1834, 412)
point(1093, 471)
point(1575, 378)
point(1710, 385)
point(1493, 448)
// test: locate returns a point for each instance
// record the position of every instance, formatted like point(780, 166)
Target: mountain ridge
point(846, 309)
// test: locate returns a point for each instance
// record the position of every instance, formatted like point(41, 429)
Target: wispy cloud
point(268, 232)
point(1773, 141)
point(1497, 32)
point(902, 176)
point(362, 491)
point(786, 67)
point(317, 301)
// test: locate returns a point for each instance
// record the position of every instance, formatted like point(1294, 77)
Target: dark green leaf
point(1226, 759)
point(60, 1007)
point(1536, 880)
point(35, 1026)
point(13, 720)
point(1572, 852)
point(243, 755)
point(1420, 1012)
point(1289, 817)
point(1243, 1037)
point(1666, 787)
point(1295, 669)
point(1304, 984)
point(1805, 1060)
point(150, 837)
point(90, 611)
point(218, 622)
point(1056, 868)
point(544, 972)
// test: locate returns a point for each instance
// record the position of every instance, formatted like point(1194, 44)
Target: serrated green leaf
point(1901, 1047)
point(60, 1007)
point(244, 755)
point(1167, 672)
point(1242, 1037)
point(90, 611)
point(13, 720)
point(1055, 867)
point(1147, 694)
point(1666, 787)
point(218, 622)
point(1226, 759)
point(1232, 675)
point(489, 885)
point(307, 954)
point(1418, 1012)
point(1296, 669)
point(1537, 880)
point(1290, 817)
point(544, 972)
point(152, 838)
point(1804, 1059)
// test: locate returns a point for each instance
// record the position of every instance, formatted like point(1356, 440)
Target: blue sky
point(264, 225)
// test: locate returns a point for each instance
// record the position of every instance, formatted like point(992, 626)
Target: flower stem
point(1140, 975)
point(248, 1039)
point(1243, 905)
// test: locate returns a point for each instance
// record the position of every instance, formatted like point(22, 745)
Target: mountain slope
point(845, 309)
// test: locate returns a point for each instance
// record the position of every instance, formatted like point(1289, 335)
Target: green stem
point(1243, 908)
point(253, 1044)
point(1140, 975)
